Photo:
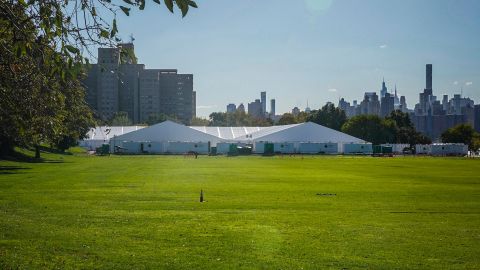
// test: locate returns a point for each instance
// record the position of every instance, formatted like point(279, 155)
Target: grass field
point(142, 212)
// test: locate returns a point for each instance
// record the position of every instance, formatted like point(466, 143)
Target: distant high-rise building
point(445, 102)
point(231, 108)
point(307, 109)
point(370, 104)
point(387, 105)
point(241, 108)
point(295, 111)
point(429, 78)
point(117, 83)
point(255, 109)
point(432, 118)
point(477, 118)
point(397, 100)
point(263, 97)
point(384, 89)
point(272, 107)
point(403, 104)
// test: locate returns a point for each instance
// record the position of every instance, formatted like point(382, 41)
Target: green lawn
point(142, 212)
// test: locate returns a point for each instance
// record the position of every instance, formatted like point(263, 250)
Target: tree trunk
point(6, 149)
point(37, 151)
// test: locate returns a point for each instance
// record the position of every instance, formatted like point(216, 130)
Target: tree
point(218, 119)
point(287, 119)
point(71, 27)
point(156, 118)
point(463, 133)
point(78, 119)
point(42, 47)
point(329, 116)
point(371, 128)
point(406, 132)
point(120, 119)
point(197, 121)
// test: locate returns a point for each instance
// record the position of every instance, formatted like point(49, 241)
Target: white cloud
point(206, 107)
point(383, 46)
point(468, 83)
point(455, 82)
point(332, 90)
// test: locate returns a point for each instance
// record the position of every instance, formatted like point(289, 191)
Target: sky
point(312, 50)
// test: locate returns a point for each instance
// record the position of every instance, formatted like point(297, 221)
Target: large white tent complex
point(170, 137)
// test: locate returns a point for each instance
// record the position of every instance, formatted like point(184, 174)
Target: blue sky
point(315, 50)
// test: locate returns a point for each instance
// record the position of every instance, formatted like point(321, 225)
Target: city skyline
point(323, 51)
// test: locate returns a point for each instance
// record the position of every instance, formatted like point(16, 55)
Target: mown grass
point(142, 212)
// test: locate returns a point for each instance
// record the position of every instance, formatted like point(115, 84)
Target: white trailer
point(449, 149)
point(185, 147)
point(358, 148)
point(397, 148)
point(284, 147)
point(317, 148)
point(423, 149)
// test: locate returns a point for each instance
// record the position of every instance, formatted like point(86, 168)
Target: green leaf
point(169, 4)
point(128, 2)
point(157, 1)
point(72, 49)
point(103, 33)
point(192, 4)
point(114, 28)
point(183, 6)
point(125, 10)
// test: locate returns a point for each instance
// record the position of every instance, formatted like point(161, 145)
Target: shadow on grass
point(12, 169)
point(22, 157)
point(54, 151)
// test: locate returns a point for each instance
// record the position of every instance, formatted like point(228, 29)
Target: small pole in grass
point(201, 195)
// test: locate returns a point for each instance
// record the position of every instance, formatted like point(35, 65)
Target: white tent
point(147, 140)
point(164, 132)
point(305, 132)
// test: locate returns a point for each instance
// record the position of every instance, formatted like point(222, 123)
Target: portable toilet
point(233, 150)
point(268, 149)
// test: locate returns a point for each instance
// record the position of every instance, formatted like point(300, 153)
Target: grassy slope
point(143, 212)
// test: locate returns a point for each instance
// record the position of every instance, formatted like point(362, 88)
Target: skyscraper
point(384, 89)
point(263, 97)
point(272, 107)
point(231, 108)
point(403, 104)
point(241, 108)
point(387, 105)
point(477, 118)
point(429, 76)
point(255, 109)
